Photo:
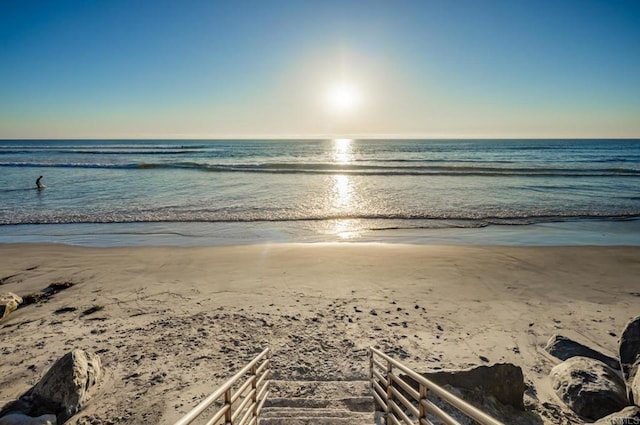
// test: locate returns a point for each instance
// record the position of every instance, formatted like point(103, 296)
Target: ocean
point(192, 192)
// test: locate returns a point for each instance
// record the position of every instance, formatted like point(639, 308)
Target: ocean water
point(309, 190)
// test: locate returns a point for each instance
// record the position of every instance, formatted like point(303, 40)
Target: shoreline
point(177, 321)
point(583, 232)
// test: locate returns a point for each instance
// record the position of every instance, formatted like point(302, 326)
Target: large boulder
point(63, 391)
point(564, 348)
point(9, 302)
point(628, 415)
point(69, 383)
point(589, 387)
point(630, 358)
point(502, 381)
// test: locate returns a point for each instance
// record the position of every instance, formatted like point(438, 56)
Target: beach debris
point(57, 287)
point(9, 302)
point(46, 293)
point(33, 298)
point(65, 310)
point(564, 348)
point(589, 387)
point(92, 310)
point(373, 313)
point(629, 349)
point(5, 279)
point(628, 415)
point(22, 419)
point(62, 392)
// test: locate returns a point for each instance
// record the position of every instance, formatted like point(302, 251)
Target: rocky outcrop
point(630, 358)
point(9, 302)
point(502, 381)
point(564, 348)
point(628, 415)
point(589, 387)
point(64, 389)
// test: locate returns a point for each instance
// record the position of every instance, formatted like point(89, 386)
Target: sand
point(175, 322)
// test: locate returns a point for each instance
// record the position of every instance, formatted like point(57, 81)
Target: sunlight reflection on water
point(342, 152)
point(343, 192)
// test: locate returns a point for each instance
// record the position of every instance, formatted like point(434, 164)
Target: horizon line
point(351, 137)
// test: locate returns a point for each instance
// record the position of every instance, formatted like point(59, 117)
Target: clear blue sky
point(446, 68)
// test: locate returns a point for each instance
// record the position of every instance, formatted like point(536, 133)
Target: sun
point(343, 98)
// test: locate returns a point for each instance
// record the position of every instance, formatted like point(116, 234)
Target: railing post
point(254, 388)
point(227, 402)
point(389, 410)
point(423, 408)
point(370, 367)
point(268, 371)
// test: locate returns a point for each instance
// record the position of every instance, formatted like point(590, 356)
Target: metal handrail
point(259, 374)
point(386, 396)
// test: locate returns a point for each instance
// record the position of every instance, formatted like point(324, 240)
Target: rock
point(20, 419)
point(64, 389)
point(9, 302)
point(502, 381)
point(629, 349)
point(10, 296)
point(628, 415)
point(564, 348)
point(589, 387)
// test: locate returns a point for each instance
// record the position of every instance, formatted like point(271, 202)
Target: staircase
point(318, 403)
point(249, 397)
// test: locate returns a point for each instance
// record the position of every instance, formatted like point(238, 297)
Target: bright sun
point(343, 98)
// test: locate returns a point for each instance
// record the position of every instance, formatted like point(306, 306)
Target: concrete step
point(352, 404)
point(294, 412)
point(293, 416)
point(336, 418)
point(315, 421)
point(318, 403)
point(319, 389)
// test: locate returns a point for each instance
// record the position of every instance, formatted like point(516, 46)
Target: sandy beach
point(172, 323)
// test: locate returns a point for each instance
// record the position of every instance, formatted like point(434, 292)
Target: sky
point(276, 69)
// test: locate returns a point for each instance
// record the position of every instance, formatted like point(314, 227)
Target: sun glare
point(343, 98)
